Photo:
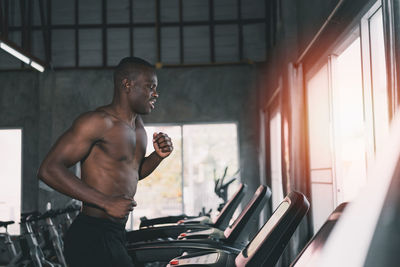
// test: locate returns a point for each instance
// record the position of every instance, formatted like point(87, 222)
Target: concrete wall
point(19, 108)
point(46, 104)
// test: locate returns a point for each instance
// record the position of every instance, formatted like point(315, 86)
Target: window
point(10, 177)
point(184, 182)
point(348, 122)
point(348, 119)
point(275, 155)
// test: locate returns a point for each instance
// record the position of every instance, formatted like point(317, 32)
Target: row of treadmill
point(202, 241)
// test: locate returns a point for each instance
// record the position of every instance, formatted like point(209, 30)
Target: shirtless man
point(110, 143)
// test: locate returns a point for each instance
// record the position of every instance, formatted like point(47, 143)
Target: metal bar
point(76, 33)
point(274, 22)
point(176, 65)
point(212, 26)
point(240, 26)
point(23, 22)
point(44, 31)
point(181, 43)
point(130, 28)
point(49, 29)
point(158, 31)
point(145, 24)
point(24, 28)
point(164, 66)
point(1, 18)
point(267, 29)
point(6, 10)
point(319, 32)
point(30, 22)
point(104, 30)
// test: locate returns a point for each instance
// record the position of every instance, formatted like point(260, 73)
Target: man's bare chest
point(123, 144)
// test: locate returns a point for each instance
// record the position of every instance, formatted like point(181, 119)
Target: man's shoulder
point(93, 119)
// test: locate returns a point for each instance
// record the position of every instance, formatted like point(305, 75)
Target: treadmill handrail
point(280, 233)
point(307, 254)
point(233, 232)
point(222, 220)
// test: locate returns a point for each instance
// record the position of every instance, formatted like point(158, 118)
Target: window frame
point(22, 162)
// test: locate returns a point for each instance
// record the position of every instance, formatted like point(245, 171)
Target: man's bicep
point(70, 148)
point(76, 142)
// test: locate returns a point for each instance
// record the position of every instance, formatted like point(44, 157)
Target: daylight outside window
point(184, 182)
point(10, 177)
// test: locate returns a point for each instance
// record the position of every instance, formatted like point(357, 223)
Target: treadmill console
point(266, 229)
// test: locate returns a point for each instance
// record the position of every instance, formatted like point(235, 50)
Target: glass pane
point(226, 43)
point(160, 194)
point(379, 84)
point(276, 167)
point(144, 11)
point(320, 140)
point(118, 11)
point(350, 146)
point(224, 9)
point(253, 9)
point(117, 45)
point(208, 150)
point(62, 12)
point(63, 48)
point(194, 10)
point(169, 10)
point(196, 40)
point(10, 177)
point(254, 41)
point(90, 11)
point(144, 44)
point(90, 47)
point(319, 120)
point(170, 45)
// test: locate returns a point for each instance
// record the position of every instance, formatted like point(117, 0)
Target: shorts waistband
point(103, 222)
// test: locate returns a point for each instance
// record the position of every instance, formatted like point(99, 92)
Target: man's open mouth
point(152, 102)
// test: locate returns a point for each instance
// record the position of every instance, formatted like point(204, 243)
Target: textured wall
point(19, 108)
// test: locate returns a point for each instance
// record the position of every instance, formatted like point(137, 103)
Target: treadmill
point(308, 256)
point(233, 239)
point(199, 223)
point(220, 189)
point(264, 249)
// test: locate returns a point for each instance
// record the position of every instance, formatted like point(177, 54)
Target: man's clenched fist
point(162, 144)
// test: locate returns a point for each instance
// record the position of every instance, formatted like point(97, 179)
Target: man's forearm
point(62, 180)
point(149, 164)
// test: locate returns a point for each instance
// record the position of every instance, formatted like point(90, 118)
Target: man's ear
point(127, 85)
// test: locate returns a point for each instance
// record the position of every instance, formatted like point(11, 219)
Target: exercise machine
point(233, 239)
point(264, 249)
point(199, 223)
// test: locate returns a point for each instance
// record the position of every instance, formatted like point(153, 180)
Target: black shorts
point(96, 242)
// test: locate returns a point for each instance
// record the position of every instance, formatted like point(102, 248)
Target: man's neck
point(122, 112)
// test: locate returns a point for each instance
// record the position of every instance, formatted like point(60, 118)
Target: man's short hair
point(130, 68)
